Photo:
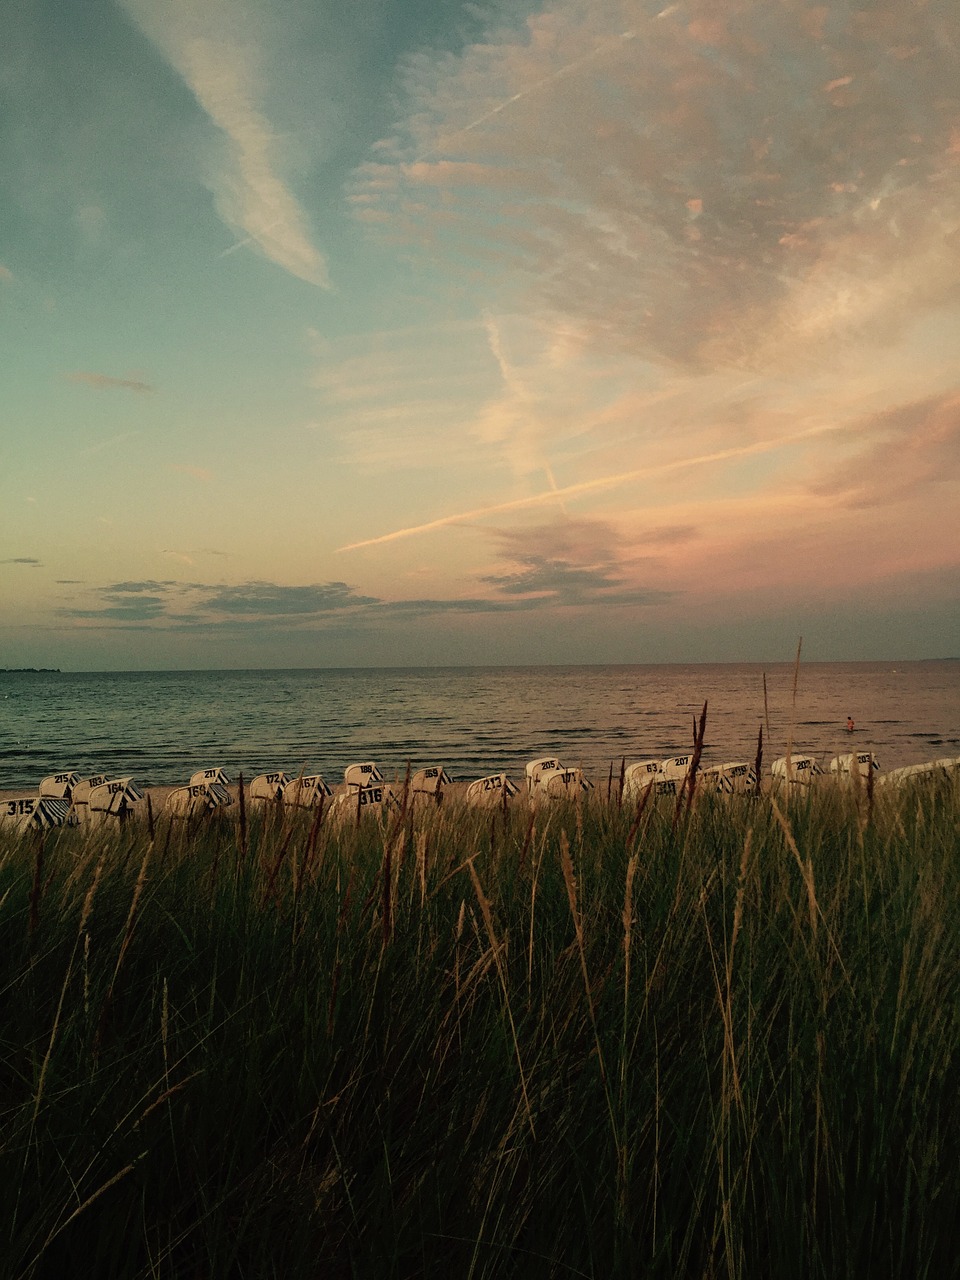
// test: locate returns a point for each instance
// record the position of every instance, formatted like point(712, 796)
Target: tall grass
point(720, 1041)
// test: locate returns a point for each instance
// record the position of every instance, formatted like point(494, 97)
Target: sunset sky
point(402, 332)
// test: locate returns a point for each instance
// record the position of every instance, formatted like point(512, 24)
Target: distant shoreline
point(761, 663)
point(18, 671)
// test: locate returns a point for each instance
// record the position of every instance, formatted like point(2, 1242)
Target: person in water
point(849, 724)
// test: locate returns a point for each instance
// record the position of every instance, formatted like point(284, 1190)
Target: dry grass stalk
point(688, 786)
point(805, 865)
point(310, 851)
point(496, 949)
point(793, 710)
point(531, 833)
point(638, 816)
point(36, 891)
point(124, 947)
point(422, 849)
point(730, 1056)
point(570, 880)
point(387, 887)
point(84, 917)
point(242, 819)
point(62, 1226)
point(274, 870)
point(628, 926)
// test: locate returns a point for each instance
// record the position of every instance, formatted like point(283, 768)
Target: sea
point(162, 726)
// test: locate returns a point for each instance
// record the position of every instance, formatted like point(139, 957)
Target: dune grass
point(575, 1042)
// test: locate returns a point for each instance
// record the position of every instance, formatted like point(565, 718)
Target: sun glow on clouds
point(691, 263)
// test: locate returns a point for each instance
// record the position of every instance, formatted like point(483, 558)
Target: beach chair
point(268, 788)
point(676, 766)
point(854, 764)
point(216, 774)
point(80, 793)
point(306, 792)
point(564, 784)
point(429, 783)
point(737, 777)
point(197, 798)
point(797, 771)
point(356, 776)
point(37, 812)
point(929, 771)
point(644, 777)
point(118, 798)
point(59, 785)
point(639, 777)
point(492, 791)
point(356, 802)
point(537, 770)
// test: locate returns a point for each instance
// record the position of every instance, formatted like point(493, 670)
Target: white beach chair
point(306, 792)
point(537, 770)
point(430, 782)
point(216, 774)
point(645, 776)
point(366, 774)
point(854, 764)
point(59, 785)
point(640, 777)
point(738, 777)
point(80, 794)
point(798, 771)
point(929, 771)
point(564, 784)
point(118, 798)
point(268, 788)
point(676, 767)
point(197, 798)
point(39, 812)
point(355, 802)
point(491, 791)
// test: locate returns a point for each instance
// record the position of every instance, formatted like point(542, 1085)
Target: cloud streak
point(680, 195)
point(602, 483)
point(105, 382)
point(213, 48)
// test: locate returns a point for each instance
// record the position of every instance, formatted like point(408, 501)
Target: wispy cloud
point(27, 560)
point(105, 382)
point(398, 398)
point(275, 601)
point(6, 275)
point(916, 446)
point(570, 562)
point(198, 473)
point(100, 446)
point(664, 184)
point(214, 48)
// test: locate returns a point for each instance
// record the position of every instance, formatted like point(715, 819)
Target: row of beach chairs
point(65, 798)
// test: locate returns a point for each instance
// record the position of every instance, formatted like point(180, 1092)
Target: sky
point(423, 332)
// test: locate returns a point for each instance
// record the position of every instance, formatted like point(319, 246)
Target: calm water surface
point(161, 726)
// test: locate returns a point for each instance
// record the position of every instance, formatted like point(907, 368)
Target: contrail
point(602, 482)
point(242, 244)
point(537, 84)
